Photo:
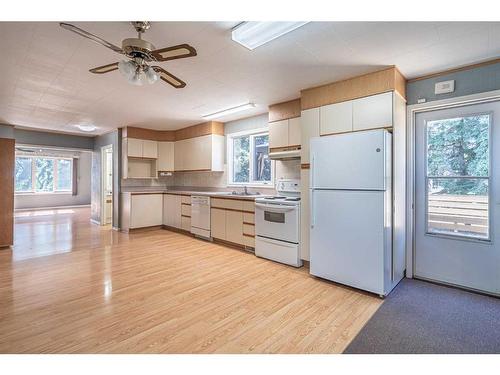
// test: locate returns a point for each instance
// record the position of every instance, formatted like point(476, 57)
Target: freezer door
point(348, 237)
point(351, 161)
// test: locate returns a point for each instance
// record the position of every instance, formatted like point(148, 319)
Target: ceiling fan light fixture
point(127, 68)
point(254, 34)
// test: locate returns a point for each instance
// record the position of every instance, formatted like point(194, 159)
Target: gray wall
point(113, 138)
point(467, 82)
point(39, 138)
point(56, 200)
point(6, 131)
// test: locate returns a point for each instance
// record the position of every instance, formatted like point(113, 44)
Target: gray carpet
point(421, 317)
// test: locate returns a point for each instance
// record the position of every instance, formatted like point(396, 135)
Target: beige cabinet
point(373, 112)
point(149, 149)
point(134, 147)
point(234, 226)
point(200, 153)
point(233, 220)
point(285, 133)
point(141, 148)
point(218, 223)
point(166, 153)
point(309, 128)
point(145, 210)
point(172, 210)
point(304, 214)
point(294, 135)
point(336, 118)
point(278, 134)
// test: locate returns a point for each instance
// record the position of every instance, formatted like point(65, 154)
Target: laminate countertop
point(215, 194)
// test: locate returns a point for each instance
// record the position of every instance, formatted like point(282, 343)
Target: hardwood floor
point(68, 286)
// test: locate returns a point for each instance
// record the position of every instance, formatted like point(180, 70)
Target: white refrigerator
point(351, 210)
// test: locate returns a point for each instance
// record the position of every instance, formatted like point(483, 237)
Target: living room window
point(43, 174)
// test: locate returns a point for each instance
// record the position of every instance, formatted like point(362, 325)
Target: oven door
point(277, 221)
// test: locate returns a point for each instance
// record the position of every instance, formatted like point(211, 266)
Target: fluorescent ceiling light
point(86, 128)
point(229, 111)
point(254, 34)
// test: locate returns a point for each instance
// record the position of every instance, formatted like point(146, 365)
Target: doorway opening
point(106, 185)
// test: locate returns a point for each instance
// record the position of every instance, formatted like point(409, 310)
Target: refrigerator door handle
point(312, 208)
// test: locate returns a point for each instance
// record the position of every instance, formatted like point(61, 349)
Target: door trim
point(411, 113)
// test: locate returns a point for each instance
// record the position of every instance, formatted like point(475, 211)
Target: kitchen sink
point(244, 194)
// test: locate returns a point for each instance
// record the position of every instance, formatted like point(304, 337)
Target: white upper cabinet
point(336, 118)
point(165, 156)
point(309, 128)
point(278, 134)
point(205, 153)
point(372, 112)
point(294, 135)
point(142, 148)
point(149, 149)
point(134, 147)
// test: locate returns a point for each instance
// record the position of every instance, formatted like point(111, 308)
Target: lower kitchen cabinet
point(232, 220)
point(218, 223)
point(145, 210)
point(234, 226)
point(172, 209)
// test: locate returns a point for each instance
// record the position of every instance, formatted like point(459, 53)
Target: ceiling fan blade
point(169, 78)
point(175, 52)
point(105, 68)
point(90, 36)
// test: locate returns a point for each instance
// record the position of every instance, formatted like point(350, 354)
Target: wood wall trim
point(305, 166)
point(198, 130)
point(7, 156)
point(285, 110)
point(388, 79)
point(245, 223)
point(287, 148)
point(455, 70)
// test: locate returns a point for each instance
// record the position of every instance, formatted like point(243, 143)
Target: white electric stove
point(277, 224)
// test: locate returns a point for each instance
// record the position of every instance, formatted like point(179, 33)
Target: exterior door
point(457, 196)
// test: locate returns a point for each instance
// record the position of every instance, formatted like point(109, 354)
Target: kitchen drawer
point(248, 218)
point(249, 229)
point(231, 204)
point(249, 206)
point(186, 199)
point(249, 241)
point(185, 210)
point(186, 223)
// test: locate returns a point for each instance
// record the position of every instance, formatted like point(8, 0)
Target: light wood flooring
point(68, 286)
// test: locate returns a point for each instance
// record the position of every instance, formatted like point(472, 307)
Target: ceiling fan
point(138, 69)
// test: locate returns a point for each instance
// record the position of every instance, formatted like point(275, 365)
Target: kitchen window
point(43, 174)
point(248, 159)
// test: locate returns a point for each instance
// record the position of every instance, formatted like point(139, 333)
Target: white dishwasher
point(200, 216)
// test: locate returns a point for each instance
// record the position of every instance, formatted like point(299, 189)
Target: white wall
point(57, 200)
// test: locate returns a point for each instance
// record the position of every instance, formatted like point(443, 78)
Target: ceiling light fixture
point(137, 73)
point(254, 34)
point(86, 128)
point(229, 111)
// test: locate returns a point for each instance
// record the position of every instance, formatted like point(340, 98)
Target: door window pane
point(262, 163)
point(64, 175)
point(458, 146)
point(23, 174)
point(458, 206)
point(458, 176)
point(44, 174)
point(241, 159)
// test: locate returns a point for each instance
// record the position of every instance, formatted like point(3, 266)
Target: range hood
point(285, 154)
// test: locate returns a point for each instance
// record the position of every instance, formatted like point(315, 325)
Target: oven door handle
point(275, 207)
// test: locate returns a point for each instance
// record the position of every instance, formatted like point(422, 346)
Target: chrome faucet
point(245, 190)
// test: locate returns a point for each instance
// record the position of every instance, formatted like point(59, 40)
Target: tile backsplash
point(283, 169)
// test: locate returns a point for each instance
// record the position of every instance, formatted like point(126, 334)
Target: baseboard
point(50, 208)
